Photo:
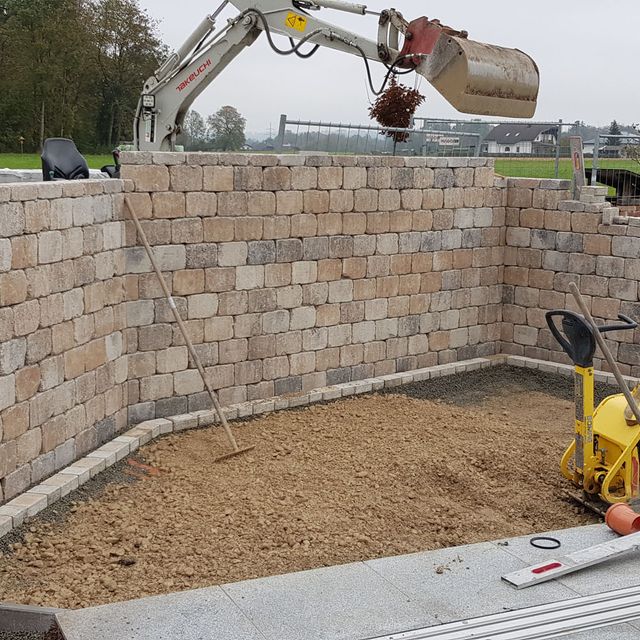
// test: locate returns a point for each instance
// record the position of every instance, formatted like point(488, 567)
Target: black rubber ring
point(554, 543)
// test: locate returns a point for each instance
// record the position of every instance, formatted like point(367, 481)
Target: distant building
point(521, 139)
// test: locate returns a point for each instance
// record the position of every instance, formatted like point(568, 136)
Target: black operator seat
point(61, 160)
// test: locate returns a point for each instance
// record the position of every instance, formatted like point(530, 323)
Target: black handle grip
point(557, 334)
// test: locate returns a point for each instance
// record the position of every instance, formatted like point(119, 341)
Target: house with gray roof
point(521, 139)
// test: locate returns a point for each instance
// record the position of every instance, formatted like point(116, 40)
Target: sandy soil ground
point(357, 479)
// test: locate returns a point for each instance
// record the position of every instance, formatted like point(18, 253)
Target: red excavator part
point(421, 38)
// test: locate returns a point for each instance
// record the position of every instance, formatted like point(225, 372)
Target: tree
point(74, 67)
point(614, 130)
point(194, 132)
point(226, 129)
point(633, 150)
point(127, 51)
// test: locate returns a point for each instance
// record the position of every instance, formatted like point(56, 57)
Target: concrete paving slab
point(619, 632)
point(362, 600)
point(192, 615)
point(617, 574)
point(350, 602)
point(464, 582)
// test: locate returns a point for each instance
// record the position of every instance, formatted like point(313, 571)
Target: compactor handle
point(578, 340)
point(628, 325)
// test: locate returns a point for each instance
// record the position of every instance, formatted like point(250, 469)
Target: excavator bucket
point(477, 78)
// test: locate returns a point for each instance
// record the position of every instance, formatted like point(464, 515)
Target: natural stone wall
point(62, 313)
point(295, 273)
point(551, 244)
point(292, 272)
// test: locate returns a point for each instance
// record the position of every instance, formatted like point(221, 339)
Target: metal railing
point(341, 138)
point(616, 164)
point(539, 158)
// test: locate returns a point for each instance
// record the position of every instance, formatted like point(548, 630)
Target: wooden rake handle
point(183, 329)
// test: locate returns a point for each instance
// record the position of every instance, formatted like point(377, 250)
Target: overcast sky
point(586, 62)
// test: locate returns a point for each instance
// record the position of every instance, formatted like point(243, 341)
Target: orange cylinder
point(623, 519)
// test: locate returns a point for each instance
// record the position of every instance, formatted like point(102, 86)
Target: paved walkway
point(363, 600)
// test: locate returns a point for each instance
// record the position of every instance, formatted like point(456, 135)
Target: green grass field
point(545, 168)
point(32, 161)
point(511, 167)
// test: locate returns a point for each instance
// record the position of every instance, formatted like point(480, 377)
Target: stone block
point(151, 178)
point(341, 201)
point(289, 202)
point(261, 252)
point(354, 178)
point(187, 231)
point(518, 237)
point(234, 203)
point(570, 242)
point(186, 177)
point(201, 204)
point(444, 178)
point(249, 277)
point(304, 178)
point(13, 288)
point(277, 275)
point(304, 272)
point(27, 382)
point(330, 178)
point(17, 482)
point(261, 203)
point(28, 446)
point(233, 254)
point(277, 179)
point(12, 355)
point(188, 382)
point(316, 201)
point(247, 178)
point(289, 297)
point(625, 247)
point(140, 313)
point(623, 289)
point(366, 200)
point(302, 318)
point(169, 205)
point(12, 219)
point(276, 322)
point(582, 264)
point(432, 199)
point(218, 179)
point(188, 282)
point(22, 251)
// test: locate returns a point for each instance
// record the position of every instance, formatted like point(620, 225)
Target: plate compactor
point(603, 459)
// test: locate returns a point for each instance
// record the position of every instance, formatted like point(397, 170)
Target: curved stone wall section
point(62, 315)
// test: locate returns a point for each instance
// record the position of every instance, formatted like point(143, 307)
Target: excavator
point(473, 77)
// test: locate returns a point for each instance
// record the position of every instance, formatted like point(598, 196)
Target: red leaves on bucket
point(394, 107)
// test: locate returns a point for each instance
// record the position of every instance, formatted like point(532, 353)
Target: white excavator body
point(473, 77)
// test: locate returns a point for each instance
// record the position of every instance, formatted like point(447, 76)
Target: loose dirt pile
point(359, 479)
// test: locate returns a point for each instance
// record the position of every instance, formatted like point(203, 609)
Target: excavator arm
point(473, 77)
